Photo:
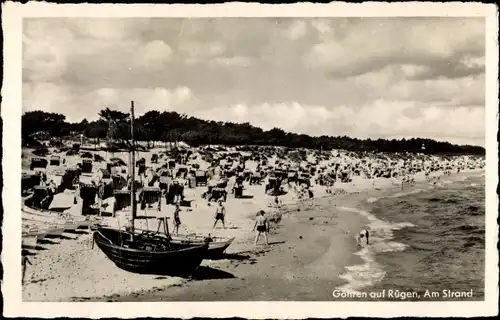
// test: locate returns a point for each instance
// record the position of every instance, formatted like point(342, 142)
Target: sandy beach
point(306, 258)
point(305, 262)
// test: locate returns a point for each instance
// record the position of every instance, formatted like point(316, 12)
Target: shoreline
point(92, 277)
point(275, 274)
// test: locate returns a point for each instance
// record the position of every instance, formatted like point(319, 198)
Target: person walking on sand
point(24, 261)
point(220, 214)
point(262, 226)
point(177, 219)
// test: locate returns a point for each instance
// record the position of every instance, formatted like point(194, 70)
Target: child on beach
point(262, 226)
point(363, 235)
point(177, 220)
point(220, 214)
point(277, 202)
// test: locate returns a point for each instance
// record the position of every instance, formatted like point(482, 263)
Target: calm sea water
point(430, 239)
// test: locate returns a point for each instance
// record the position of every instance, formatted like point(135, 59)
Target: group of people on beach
point(220, 214)
point(261, 225)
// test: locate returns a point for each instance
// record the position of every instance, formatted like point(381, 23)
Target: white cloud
point(322, 26)
point(201, 49)
point(388, 119)
point(363, 77)
point(51, 98)
point(153, 55)
point(297, 30)
point(232, 61)
point(373, 43)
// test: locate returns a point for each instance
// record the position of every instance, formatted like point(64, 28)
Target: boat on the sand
point(42, 228)
point(33, 231)
point(66, 226)
point(216, 245)
point(140, 253)
point(48, 216)
point(29, 240)
point(147, 252)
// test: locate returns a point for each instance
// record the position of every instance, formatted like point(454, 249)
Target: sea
point(426, 244)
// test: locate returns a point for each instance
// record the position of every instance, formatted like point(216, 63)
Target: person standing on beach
point(262, 226)
point(277, 202)
point(220, 214)
point(24, 262)
point(177, 219)
point(363, 235)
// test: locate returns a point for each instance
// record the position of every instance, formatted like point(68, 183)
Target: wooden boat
point(216, 245)
point(62, 217)
point(29, 240)
point(47, 216)
point(147, 253)
point(144, 254)
point(64, 225)
point(46, 229)
point(33, 231)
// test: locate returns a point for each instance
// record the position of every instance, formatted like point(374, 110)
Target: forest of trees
point(172, 126)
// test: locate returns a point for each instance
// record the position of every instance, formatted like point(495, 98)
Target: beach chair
point(154, 158)
point(55, 160)
point(165, 182)
point(149, 195)
point(38, 163)
point(29, 181)
point(217, 193)
point(182, 171)
point(86, 166)
point(122, 200)
point(88, 193)
point(42, 197)
point(201, 177)
point(238, 191)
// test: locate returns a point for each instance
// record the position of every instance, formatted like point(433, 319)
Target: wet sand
point(306, 255)
point(309, 250)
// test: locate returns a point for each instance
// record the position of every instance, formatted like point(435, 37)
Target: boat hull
point(64, 226)
point(47, 216)
point(215, 250)
point(29, 241)
point(179, 261)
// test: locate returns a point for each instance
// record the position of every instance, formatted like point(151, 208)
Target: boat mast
point(132, 165)
point(110, 138)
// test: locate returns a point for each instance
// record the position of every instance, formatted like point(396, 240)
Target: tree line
point(172, 126)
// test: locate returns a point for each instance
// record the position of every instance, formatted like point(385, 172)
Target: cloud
point(201, 49)
point(362, 45)
point(153, 55)
point(232, 61)
point(381, 118)
point(366, 77)
point(296, 30)
point(77, 106)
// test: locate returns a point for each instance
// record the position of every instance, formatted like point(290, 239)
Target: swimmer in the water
point(363, 235)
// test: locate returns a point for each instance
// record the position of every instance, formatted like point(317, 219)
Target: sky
point(359, 77)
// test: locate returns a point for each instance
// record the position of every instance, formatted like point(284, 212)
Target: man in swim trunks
point(177, 219)
point(363, 235)
point(262, 226)
point(220, 214)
